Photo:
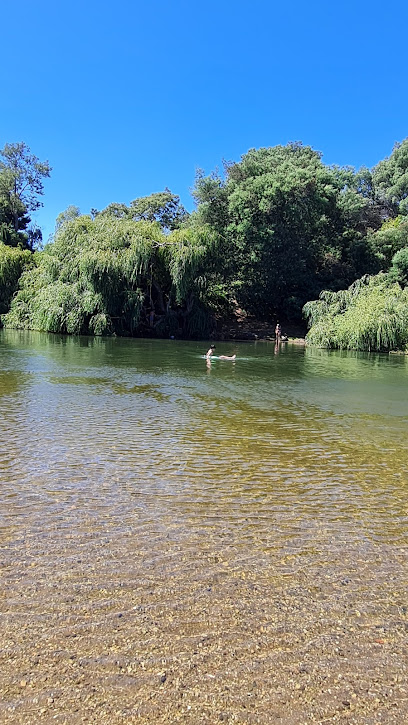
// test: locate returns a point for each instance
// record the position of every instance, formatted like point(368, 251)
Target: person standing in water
point(210, 352)
point(278, 332)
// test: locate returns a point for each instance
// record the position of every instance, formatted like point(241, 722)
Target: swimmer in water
point(210, 353)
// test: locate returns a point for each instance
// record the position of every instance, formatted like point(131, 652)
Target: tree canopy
point(276, 232)
point(103, 276)
point(13, 261)
point(162, 207)
point(390, 178)
point(288, 224)
point(21, 185)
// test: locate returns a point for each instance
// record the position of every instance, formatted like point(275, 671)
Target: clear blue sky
point(124, 98)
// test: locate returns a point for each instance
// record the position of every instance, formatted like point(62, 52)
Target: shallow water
point(138, 474)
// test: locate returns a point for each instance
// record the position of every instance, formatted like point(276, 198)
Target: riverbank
point(244, 327)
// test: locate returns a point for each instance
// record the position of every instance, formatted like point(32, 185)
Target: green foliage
point(27, 172)
point(287, 224)
point(12, 263)
point(399, 268)
point(119, 211)
point(188, 251)
point(199, 323)
point(268, 234)
point(372, 314)
point(13, 218)
point(390, 178)
point(388, 240)
point(88, 279)
point(162, 207)
point(211, 196)
point(99, 274)
point(21, 184)
point(70, 213)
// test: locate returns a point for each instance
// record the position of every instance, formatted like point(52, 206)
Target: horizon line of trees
point(278, 234)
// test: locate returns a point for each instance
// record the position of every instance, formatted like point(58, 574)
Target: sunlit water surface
point(270, 447)
point(283, 463)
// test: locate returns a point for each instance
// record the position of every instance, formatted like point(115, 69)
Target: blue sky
point(124, 98)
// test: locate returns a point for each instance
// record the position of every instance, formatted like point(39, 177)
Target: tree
point(372, 315)
point(287, 225)
point(21, 185)
point(117, 210)
point(90, 279)
point(163, 207)
point(399, 267)
point(390, 178)
point(10, 208)
point(102, 276)
point(389, 239)
point(70, 213)
point(12, 264)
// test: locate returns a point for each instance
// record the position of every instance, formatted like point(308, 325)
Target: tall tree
point(70, 213)
point(21, 185)
point(287, 225)
point(390, 179)
point(163, 207)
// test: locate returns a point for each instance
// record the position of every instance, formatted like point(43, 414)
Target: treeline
point(268, 235)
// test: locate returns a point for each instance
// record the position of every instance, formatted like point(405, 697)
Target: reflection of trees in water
point(13, 376)
point(352, 363)
point(54, 347)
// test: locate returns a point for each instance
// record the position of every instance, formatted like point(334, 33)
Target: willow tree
point(12, 263)
point(103, 275)
point(192, 257)
point(372, 314)
point(89, 280)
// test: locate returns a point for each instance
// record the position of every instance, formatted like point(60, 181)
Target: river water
point(185, 541)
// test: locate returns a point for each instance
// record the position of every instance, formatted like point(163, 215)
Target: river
point(185, 541)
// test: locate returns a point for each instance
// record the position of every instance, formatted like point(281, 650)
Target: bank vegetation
point(278, 234)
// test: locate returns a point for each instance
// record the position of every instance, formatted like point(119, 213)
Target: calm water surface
point(272, 447)
point(184, 541)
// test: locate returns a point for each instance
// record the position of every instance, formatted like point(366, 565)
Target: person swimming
point(210, 353)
